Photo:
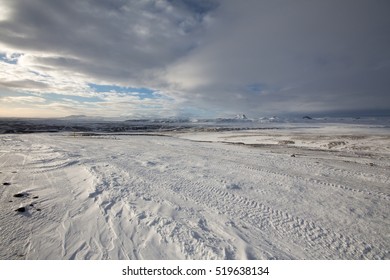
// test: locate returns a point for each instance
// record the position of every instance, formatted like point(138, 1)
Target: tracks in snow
point(317, 241)
point(320, 242)
point(149, 219)
point(265, 171)
point(147, 200)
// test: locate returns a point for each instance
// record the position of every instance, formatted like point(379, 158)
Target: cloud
point(22, 99)
point(63, 46)
point(114, 41)
point(255, 56)
point(23, 84)
point(311, 56)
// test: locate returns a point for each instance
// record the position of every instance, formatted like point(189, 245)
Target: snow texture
point(198, 195)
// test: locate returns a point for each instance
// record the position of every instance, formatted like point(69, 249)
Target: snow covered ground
point(292, 193)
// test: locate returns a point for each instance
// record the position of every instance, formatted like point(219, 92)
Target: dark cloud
point(255, 56)
point(309, 55)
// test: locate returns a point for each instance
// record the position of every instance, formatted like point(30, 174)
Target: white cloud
point(4, 11)
point(63, 46)
point(315, 56)
point(22, 99)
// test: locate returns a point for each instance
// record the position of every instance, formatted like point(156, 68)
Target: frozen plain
point(290, 193)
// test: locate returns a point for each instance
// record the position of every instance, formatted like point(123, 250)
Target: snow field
point(150, 197)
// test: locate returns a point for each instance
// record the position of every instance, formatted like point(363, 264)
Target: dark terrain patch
point(21, 209)
point(21, 195)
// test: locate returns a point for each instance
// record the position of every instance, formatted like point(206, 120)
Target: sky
point(194, 58)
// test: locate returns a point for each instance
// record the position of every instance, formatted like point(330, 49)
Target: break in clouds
point(192, 57)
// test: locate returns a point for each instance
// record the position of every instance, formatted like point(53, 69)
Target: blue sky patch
point(10, 60)
point(142, 93)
